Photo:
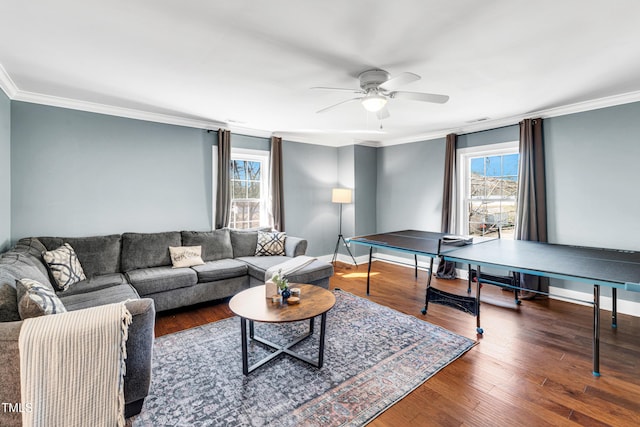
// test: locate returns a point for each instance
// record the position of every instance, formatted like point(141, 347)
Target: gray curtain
point(447, 269)
point(531, 221)
point(449, 208)
point(277, 195)
point(223, 197)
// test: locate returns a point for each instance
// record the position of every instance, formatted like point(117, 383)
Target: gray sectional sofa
point(136, 267)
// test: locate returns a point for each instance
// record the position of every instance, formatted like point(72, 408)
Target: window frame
point(463, 159)
point(246, 154)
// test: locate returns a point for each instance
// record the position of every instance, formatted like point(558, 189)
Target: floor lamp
point(341, 196)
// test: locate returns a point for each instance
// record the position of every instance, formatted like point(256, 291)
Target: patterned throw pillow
point(270, 243)
point(185, 256)
point(37, 299)
point(64, 266)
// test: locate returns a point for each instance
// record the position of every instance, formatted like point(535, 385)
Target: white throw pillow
point(270, 243)
point(185, 256)
point(64, 266)
point(37, 299)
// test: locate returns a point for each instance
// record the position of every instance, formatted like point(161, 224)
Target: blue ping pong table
point(617, 269)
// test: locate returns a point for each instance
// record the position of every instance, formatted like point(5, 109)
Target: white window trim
point(464, 156)
point(263, 157)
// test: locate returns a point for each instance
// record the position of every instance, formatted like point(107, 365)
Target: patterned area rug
point(374, 356)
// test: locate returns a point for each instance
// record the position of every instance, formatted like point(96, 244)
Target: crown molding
point(6, 83)
point(130, 113)
point(314, 137)
point(578, 107)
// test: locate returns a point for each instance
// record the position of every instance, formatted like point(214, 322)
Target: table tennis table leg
point(479, 330)
point(369, 268)
point(426, 297)
point(596, 330)
point(614, 310)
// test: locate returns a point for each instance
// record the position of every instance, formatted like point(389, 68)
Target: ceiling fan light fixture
point(374, 102)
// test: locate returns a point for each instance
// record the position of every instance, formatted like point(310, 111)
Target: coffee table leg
point(245, 357)
point(251, 330)
point(311, 325)
point(323, 327)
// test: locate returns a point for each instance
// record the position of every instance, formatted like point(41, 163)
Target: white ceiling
point(249, 65)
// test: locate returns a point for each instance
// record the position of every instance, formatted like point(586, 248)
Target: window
point(489, 189)
point(249, 188)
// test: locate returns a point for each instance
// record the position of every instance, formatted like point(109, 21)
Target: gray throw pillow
point(36, 299)
point(64, 266)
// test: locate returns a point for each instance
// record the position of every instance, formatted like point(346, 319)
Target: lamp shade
point(373, 102)
point(341, 195)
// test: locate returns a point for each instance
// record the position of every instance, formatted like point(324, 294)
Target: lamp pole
point(341, 238)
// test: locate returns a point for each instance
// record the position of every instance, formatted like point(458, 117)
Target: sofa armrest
point(139, 349)
point(138, 362)
point(10, 372)
point(294, 246)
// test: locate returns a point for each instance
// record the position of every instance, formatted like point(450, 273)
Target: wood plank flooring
point(532, 367)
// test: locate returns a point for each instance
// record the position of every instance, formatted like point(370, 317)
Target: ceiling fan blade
point(419, 96)
point(331, 107)
point(383, 113)
point(399, 80)
point(341, 89)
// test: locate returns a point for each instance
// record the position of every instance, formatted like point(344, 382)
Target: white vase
point(270, 289)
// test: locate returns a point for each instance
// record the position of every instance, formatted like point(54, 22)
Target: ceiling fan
point(377, 87)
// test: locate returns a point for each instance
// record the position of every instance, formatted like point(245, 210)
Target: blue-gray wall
point(492, 136)
point(365, 196)
point(309, 174)
point(346, 179)
point(593, 172)
point(410, 181)
point(76, 173)
point(5, 172)
point(249, 142)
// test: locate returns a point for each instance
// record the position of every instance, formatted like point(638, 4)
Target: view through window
point(490, 194)
point(248, 190)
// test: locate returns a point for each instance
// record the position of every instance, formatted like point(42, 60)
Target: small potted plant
point(282, 283)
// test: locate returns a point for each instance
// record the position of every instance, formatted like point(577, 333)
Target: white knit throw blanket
point(72, 367)
point(289, 267)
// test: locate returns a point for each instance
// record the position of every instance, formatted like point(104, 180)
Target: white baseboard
point(631, 308)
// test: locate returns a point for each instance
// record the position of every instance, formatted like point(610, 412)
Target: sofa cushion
point(32, 245)
point(219, 270)
point(64, 266)
point(36, 299)
point(50, 242)
point(215, 244)
point(313, 272)
point(8, 301)
point(185, 256)
point(158, 279)
point(97, 254)
point(22, 265)
point(103, 296)
point(244, 242)
point(270, 243)
point(258, 265)
point(94, 283)
point(142, 250)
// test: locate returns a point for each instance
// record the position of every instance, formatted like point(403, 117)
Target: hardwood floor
point(532, 367)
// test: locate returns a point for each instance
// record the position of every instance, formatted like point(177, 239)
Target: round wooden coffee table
point(252, 305)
